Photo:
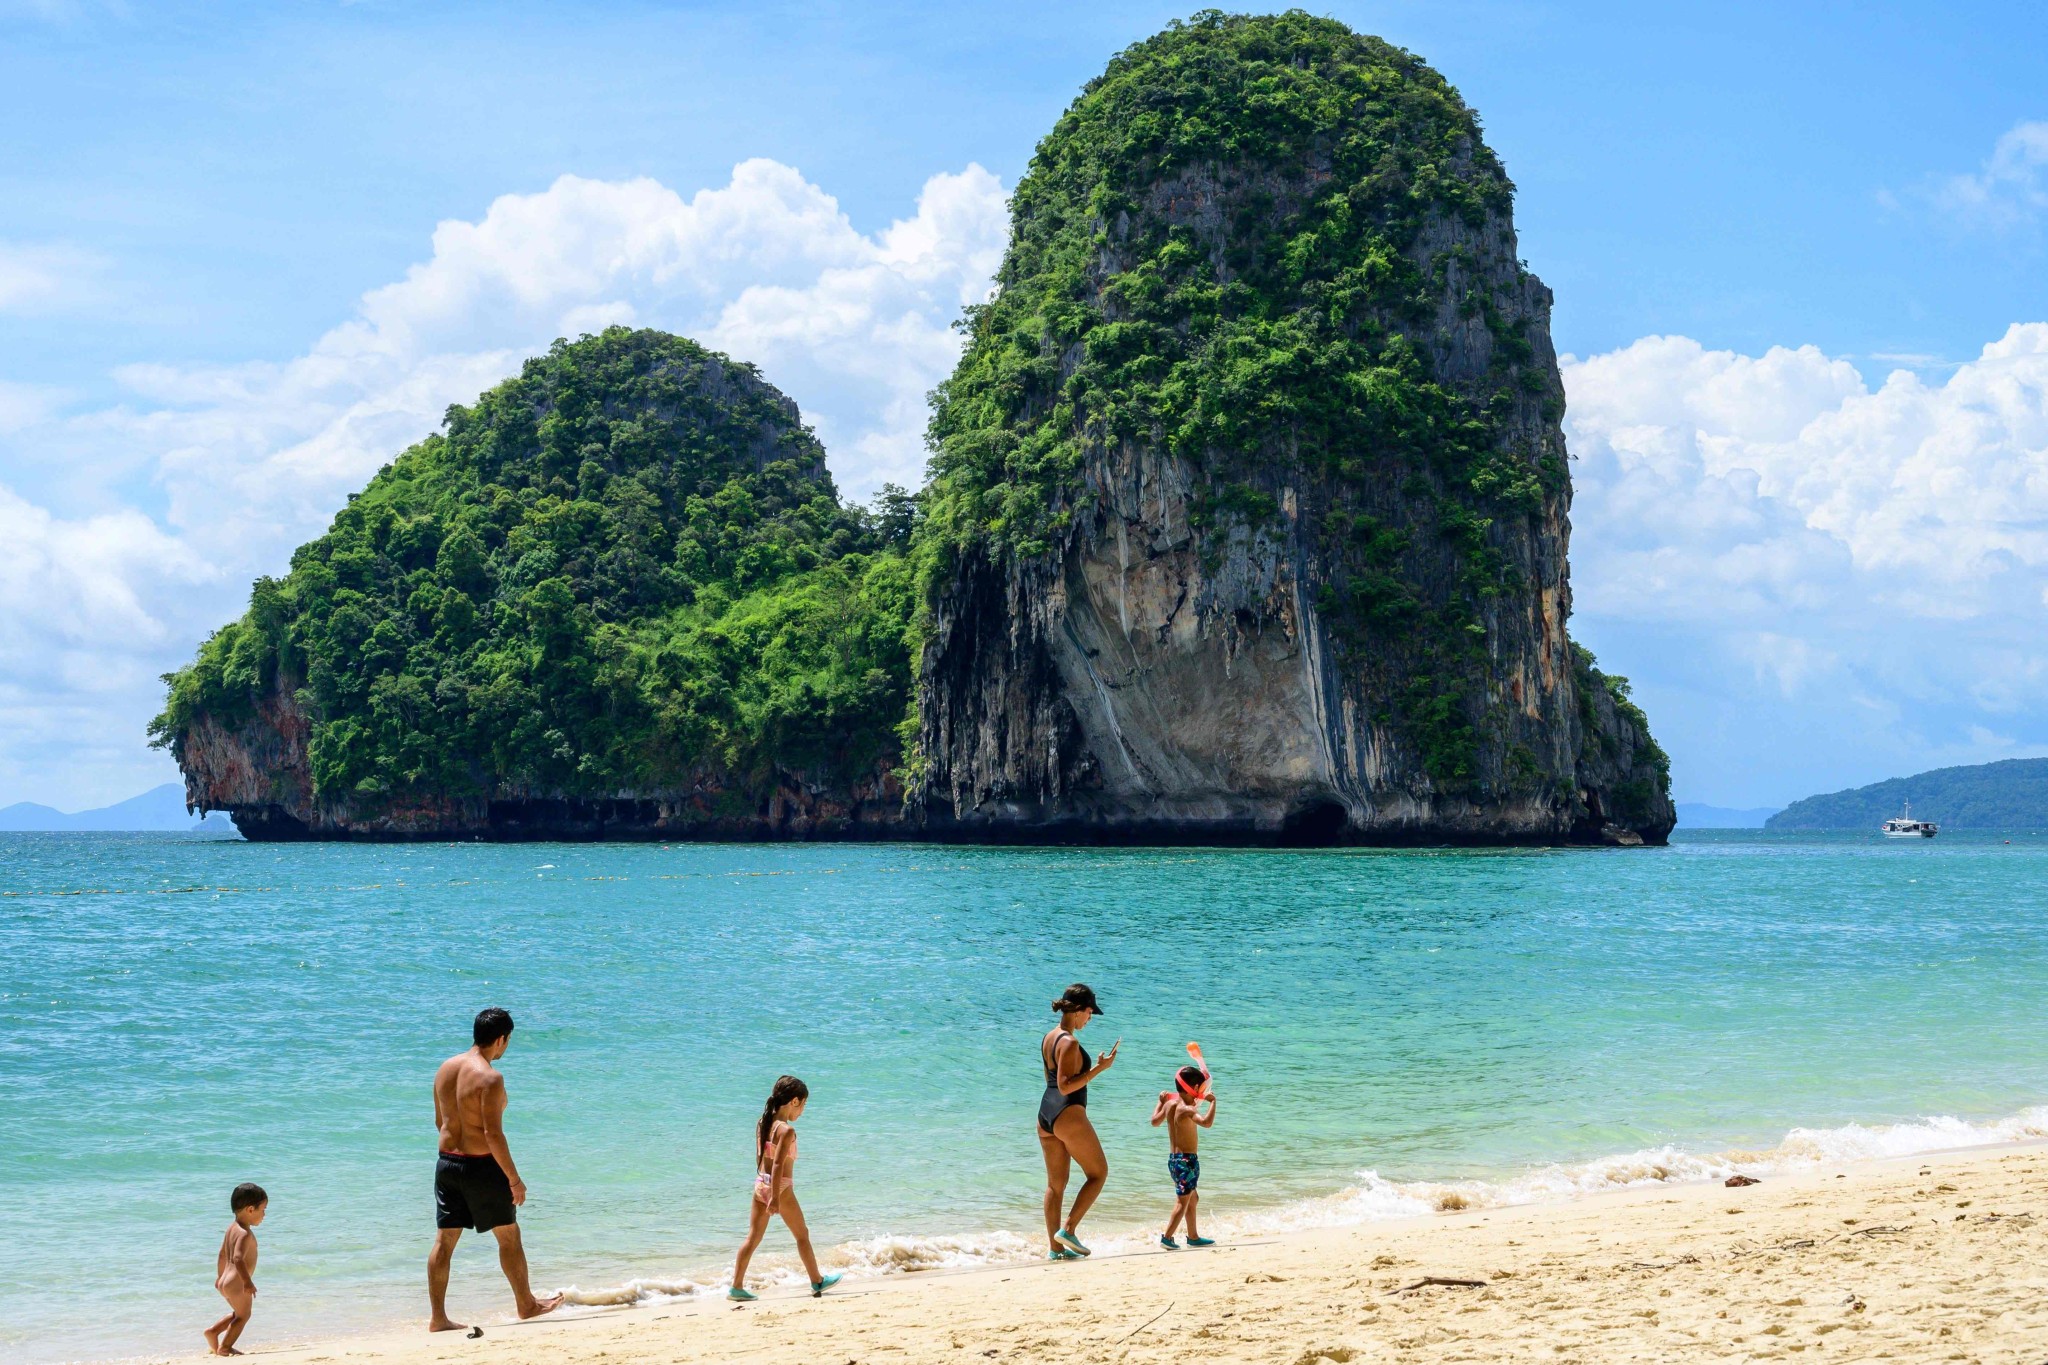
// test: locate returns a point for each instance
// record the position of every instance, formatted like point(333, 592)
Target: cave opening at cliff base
point(1317, 823)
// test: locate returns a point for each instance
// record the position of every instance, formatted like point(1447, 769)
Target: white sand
point(1937, 1257)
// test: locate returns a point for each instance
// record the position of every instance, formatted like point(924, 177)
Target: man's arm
point(494, 1135)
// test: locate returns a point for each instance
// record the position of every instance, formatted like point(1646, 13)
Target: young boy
point(1180, 1110)
point(235, 1270)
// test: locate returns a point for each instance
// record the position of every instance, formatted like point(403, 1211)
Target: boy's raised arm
point(1161, 1109)
point(1208, 1119)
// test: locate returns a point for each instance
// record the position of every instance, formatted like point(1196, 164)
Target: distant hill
point(1693, 815)
point(2009, 794)
point(159, 808)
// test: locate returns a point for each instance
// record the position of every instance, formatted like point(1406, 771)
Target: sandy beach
point(1931, 1258)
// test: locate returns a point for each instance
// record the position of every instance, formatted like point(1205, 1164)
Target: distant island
point(158, 810)
point(1247, 521)
point(2009, 794)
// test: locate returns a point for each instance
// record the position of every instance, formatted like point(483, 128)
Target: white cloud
point(140, 525)
point(2012, 185)
point(42, 277)
point(1864, 567)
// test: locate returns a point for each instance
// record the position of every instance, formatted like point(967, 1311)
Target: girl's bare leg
point(1078, 1136)
point(1057, 1166)
point(793, 1219)
point(757, 1228)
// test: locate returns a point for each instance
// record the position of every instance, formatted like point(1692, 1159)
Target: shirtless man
point(475, 1183)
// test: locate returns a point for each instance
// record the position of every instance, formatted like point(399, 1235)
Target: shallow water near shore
point(1390, 1030)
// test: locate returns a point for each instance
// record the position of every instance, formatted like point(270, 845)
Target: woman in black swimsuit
point(1064, 1133)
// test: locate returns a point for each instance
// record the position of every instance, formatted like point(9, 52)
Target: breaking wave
point(1373, 1198)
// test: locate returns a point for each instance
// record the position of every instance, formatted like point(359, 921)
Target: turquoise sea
point(1387, 1028)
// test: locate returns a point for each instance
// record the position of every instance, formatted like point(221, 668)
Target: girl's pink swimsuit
point(764, 1179)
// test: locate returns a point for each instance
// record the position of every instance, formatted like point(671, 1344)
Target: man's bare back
point(469, 1104)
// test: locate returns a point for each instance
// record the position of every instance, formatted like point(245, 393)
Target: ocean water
point(1390, 1030)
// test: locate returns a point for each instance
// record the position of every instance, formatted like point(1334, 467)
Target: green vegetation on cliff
point(1213, 254)
point(625, 569)
point(2009, 794)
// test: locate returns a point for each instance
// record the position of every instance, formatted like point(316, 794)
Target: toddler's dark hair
point(491, 1025)
point(1191, 1077)
point(246, 1196)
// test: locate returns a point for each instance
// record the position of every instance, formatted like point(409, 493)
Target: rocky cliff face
point(258, 773)
point(1231, 616)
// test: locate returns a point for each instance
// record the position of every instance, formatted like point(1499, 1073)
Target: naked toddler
point(235, 1269)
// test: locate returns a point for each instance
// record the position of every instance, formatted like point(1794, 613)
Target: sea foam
point(1372, 1198)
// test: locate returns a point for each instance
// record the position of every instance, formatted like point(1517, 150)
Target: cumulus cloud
point(1871, 560)
point(127, 532)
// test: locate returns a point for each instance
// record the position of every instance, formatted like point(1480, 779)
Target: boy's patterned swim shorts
point(1186, 1170)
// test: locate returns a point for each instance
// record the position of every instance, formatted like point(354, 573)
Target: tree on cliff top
point(624, 569)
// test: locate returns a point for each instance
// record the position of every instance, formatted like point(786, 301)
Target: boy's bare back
point(469, 1102)
point(235, 1269)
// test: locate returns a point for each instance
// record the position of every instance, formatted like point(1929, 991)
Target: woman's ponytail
point(787, 1088)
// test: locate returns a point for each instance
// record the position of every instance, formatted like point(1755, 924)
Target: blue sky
point(204, 210)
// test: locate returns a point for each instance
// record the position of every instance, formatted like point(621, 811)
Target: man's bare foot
point(546, 1305)
point(447, 1325)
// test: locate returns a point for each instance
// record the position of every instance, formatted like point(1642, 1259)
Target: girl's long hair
point(787, 1088)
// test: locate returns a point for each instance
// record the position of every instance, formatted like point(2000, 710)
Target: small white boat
point(1906, 827)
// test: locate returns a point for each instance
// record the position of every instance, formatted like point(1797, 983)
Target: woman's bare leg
point(1077, 1135)
point(757, 1228)
point(1057, 1167)
point(793, 1219)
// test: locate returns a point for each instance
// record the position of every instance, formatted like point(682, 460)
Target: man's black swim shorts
point(471, 1192)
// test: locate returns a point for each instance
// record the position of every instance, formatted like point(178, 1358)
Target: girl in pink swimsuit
point(775, 1186)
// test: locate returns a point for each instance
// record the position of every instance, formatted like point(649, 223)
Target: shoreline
point(1778, 1234)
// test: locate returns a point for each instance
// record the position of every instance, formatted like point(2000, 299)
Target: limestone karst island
point(1246, 521)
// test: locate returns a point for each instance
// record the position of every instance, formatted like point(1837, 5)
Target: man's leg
point(512, 1260)
point(438, 1261)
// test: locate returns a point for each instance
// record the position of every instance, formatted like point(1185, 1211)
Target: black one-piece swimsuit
point(1054, 1103)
